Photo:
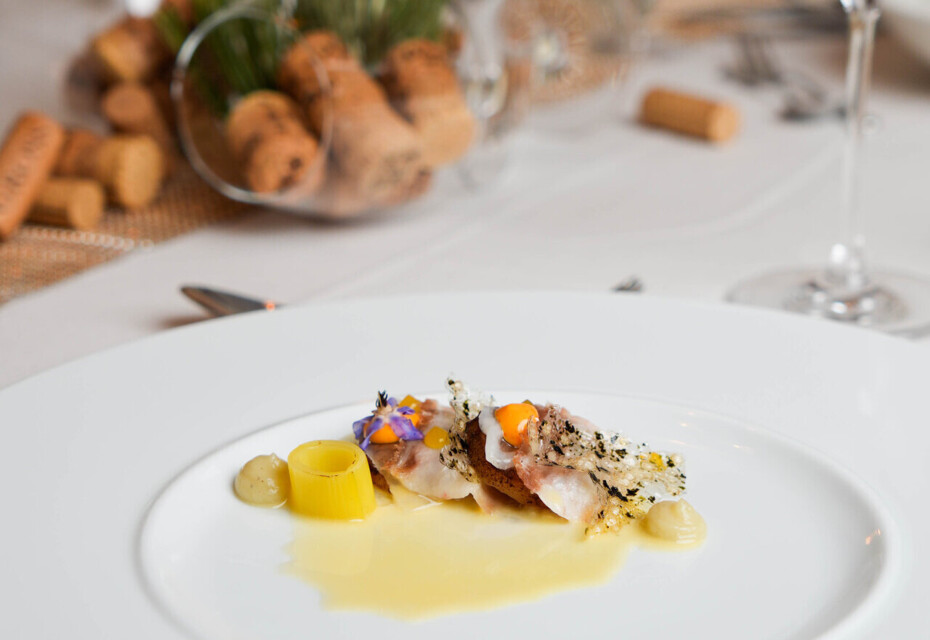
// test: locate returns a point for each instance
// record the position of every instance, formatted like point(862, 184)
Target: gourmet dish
point(553, 491)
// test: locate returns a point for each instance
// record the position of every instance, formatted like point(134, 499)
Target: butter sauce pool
point(413, 560)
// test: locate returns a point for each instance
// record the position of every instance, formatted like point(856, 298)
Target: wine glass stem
point(482, 58)
point(847, 260)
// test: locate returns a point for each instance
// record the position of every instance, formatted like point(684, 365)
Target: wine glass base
point(893, 302)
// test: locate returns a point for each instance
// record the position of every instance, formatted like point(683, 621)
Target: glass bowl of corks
point(320, 109)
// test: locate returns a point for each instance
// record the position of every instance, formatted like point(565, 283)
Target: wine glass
point(490, 87)
point(846, 289)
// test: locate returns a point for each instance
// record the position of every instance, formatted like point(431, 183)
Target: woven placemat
point(38, 256)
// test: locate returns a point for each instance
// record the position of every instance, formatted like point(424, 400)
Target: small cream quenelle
point(263, 481)
point(675, 521)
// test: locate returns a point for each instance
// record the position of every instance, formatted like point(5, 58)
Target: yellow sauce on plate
point(414, 563)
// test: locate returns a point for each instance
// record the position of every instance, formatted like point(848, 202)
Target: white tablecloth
point(580, 207)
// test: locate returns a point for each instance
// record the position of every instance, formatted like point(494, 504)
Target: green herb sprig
point(242, 55)
point(371, 27)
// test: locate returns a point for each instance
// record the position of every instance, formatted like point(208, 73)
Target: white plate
point(835, 413)
point(777, 512)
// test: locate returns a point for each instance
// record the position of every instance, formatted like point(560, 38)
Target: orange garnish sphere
point(514, 418)
point(386, 435)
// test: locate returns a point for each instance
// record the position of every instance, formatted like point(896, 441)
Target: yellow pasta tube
point(330, 479)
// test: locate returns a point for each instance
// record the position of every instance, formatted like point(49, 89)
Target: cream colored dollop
point(263, 481)
point(675, 521)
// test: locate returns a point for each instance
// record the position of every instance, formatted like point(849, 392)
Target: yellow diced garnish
point(436, 438)
point(410, 401)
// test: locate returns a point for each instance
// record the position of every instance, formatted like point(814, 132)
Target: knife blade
point(225, 303)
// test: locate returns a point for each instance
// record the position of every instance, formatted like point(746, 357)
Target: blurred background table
point(578, 208)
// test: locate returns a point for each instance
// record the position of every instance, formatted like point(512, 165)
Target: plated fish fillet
point(417, 467)
point(538, 456)
point(597, 477)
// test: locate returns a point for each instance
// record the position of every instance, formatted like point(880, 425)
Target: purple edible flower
point(386, 413)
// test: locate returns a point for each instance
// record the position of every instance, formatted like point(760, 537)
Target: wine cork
point(27, 157)
point(132, 108)
point(419, 67)
point(131, 168)
point(299, 72)
point(282, 161)
point(261, 113)
point(78, 154)
point(349, 86)
point(376, 153)
point(424, 88)
point(131, 50)
point(691, 115)
point(327, 46)
point(266, 134)
point(352, 94)
point(69, 202)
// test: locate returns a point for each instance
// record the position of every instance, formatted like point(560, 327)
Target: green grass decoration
point(242, 55)
point(371, 27)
